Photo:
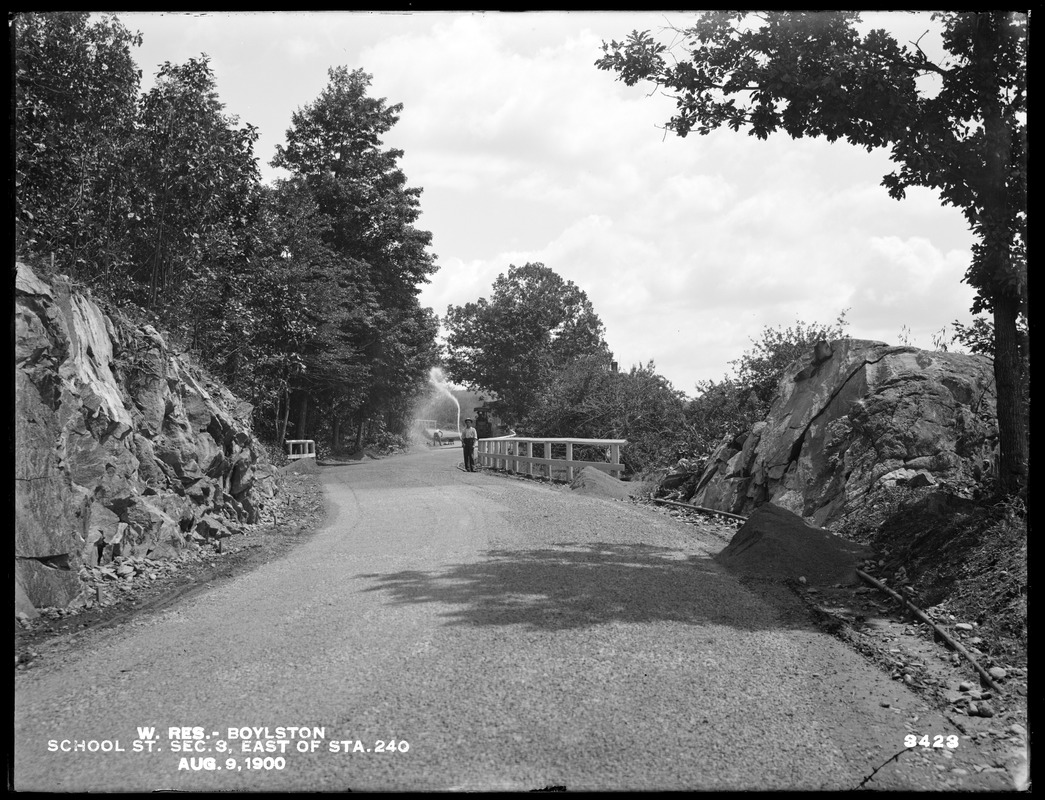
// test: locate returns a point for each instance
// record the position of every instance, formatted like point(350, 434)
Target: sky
point(526, 152)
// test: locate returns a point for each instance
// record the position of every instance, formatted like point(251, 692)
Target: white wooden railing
point(300, 448)
point(512, 452)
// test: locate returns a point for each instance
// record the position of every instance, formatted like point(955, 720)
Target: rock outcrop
point(122, 447)
point(853, 419)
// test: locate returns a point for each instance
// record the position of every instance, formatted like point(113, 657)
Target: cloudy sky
point(528, 153)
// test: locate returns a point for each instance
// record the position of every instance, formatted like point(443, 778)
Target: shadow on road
point(581, 585)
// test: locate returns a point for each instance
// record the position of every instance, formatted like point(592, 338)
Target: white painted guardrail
point(300, 448)
point(512, 452)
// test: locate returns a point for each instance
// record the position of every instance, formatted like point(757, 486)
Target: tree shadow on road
point(573, 585)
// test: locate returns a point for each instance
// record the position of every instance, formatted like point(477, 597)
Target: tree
point(282, 325)
point(76, 91)
point(197, 194)
point(589, 399)
point(814, 74)
point(511, 345)
point(364, 260)
point(148, 199)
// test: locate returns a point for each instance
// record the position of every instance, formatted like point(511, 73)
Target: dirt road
point(449, 630)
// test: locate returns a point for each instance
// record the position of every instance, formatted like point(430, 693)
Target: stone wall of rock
point(121, 446)
point(852, 420)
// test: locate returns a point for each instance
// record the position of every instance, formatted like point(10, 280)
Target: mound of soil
point(595, 482)
point(775, 544)
point(301, 466)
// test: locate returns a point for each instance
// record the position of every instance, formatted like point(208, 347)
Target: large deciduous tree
point(962, 132)
point(589, 399)
point(149, 199)
point(512, 344)
point(76, 93)
point(196, 190)
point(362, 271)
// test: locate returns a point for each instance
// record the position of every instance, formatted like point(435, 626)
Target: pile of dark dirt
point(775, 544)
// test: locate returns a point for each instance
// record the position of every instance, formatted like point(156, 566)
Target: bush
point(589, 400)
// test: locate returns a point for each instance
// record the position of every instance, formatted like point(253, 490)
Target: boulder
point(865, 417)
point(148, 524)
point(212, 527)
point(242, 473)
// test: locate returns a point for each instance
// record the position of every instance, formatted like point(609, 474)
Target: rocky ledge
point(124, 449)
point(850, 418)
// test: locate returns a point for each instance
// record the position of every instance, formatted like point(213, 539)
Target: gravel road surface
point(449, 630)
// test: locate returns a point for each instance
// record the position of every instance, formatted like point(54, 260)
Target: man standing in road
point(468, 439)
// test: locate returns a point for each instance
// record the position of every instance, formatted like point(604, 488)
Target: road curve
point(500, 634)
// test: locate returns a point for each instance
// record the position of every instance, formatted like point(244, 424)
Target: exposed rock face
point(121, 446)
point(849, 421)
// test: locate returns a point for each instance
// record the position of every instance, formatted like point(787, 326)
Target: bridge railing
point(300, 448)
point(515, 454)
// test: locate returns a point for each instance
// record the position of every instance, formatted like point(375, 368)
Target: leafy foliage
point(76, 90)
point(977, 337)
point(512, 345)
point(303, 293)
point(759, 369)
point(814, 74)
point(590, 400)
point(374, 343)
point(196, 186)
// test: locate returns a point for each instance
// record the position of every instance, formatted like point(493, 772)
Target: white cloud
point(527, 152)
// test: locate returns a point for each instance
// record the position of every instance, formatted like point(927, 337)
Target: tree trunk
point(1013, 410)
point(281, 431)
point(302, 415)
point(335, 434)
point(1003, 283)
point(359, 434)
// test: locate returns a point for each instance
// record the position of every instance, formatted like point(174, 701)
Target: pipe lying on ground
point(701, 509)
point(943, 634)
